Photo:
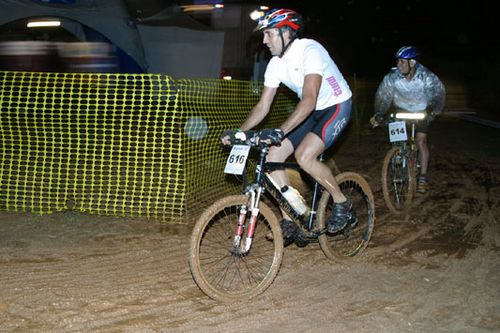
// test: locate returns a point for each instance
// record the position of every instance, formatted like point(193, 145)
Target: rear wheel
point(224, 271)
point(398, 180)
point(354, 238)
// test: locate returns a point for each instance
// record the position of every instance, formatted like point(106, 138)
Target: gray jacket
point(424, 91)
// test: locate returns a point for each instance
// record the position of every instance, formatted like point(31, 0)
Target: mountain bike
point(232, 258)
point(401, 167)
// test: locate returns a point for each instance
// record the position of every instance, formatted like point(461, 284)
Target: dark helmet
point(280, 17)
point(407, 52)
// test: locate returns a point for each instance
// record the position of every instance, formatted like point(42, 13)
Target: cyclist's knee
point(278, 153)
point(421, 140)
point(304, 161)
point(300, 158)
point(307, 153)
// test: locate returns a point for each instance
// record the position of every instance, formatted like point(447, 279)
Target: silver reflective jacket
point(424, 91)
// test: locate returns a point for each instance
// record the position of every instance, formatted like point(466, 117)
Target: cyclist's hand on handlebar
point(227, 136)
point(430, 117)
point(376, 120)
point(271, 136)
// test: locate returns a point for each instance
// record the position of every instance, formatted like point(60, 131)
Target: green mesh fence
point(119, 144)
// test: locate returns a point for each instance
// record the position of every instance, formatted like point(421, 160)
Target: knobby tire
point(353, 239)
point(220, 271)
point(398, 199)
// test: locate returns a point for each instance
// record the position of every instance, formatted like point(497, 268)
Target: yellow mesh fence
point(119, 144)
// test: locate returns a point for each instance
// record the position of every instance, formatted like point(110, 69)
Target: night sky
point(455, 38)
point(364, 35)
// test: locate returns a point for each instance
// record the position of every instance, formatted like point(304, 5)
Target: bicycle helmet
point(407, 52)
point(280, 17)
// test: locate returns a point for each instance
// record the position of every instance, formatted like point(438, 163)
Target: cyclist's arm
point(383, 96)
point(260, 110)
point(436, 94)
point(310, 91)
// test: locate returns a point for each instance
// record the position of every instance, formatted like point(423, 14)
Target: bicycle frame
point(305, 220)
point(237, 244)
point(401, 164)
point(263, 182)
point(413, 118)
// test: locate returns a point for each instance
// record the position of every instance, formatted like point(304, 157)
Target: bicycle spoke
point(226, 272)
point(354, 238)
point(397, 180)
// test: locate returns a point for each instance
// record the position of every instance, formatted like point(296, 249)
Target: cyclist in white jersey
point(412, 87)
point(323, 112)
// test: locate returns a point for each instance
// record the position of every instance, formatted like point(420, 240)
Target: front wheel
point(398, 180)
point(354, 238)
point(227, 272)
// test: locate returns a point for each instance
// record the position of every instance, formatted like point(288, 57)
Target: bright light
point(201, 8)
point(410, 115)
point(227, 77)
point(46, 23)
point(256, 14)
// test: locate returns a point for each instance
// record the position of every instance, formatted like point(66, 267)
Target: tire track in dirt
point(119, 272)
point(436, 269)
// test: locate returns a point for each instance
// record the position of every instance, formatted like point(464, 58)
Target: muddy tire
point(353, 239)
point(398, 181)
point(230, 273)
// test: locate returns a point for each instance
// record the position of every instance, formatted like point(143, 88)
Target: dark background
point(458, 41)
point(364, 35)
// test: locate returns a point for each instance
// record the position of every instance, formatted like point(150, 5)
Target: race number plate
point(397, 131)
point(237, 159)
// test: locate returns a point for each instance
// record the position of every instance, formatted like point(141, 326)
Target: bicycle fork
point(254, 193)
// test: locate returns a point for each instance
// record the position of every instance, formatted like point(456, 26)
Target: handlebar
point(410, 115)
point(400, 115)
point(248, 138)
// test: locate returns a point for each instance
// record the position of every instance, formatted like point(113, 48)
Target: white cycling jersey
point(306, 56)
point(424, 91)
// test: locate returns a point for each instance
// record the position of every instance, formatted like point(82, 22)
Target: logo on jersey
point(335, 85)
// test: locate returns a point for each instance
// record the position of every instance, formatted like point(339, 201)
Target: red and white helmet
point(280, 17)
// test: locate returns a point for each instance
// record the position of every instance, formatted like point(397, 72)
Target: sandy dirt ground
point(436, 269)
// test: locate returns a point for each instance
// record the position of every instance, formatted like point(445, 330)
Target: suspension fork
point(254, 192)
point(413, 144)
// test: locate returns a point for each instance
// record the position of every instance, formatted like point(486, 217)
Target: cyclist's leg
point(421, 141)
point(279, 154)
point(423, 154)
point(307, 154)
point(330, 124)
point(288, 146)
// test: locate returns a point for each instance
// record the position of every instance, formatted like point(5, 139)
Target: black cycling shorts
point(422, 126)
point(327, 124)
